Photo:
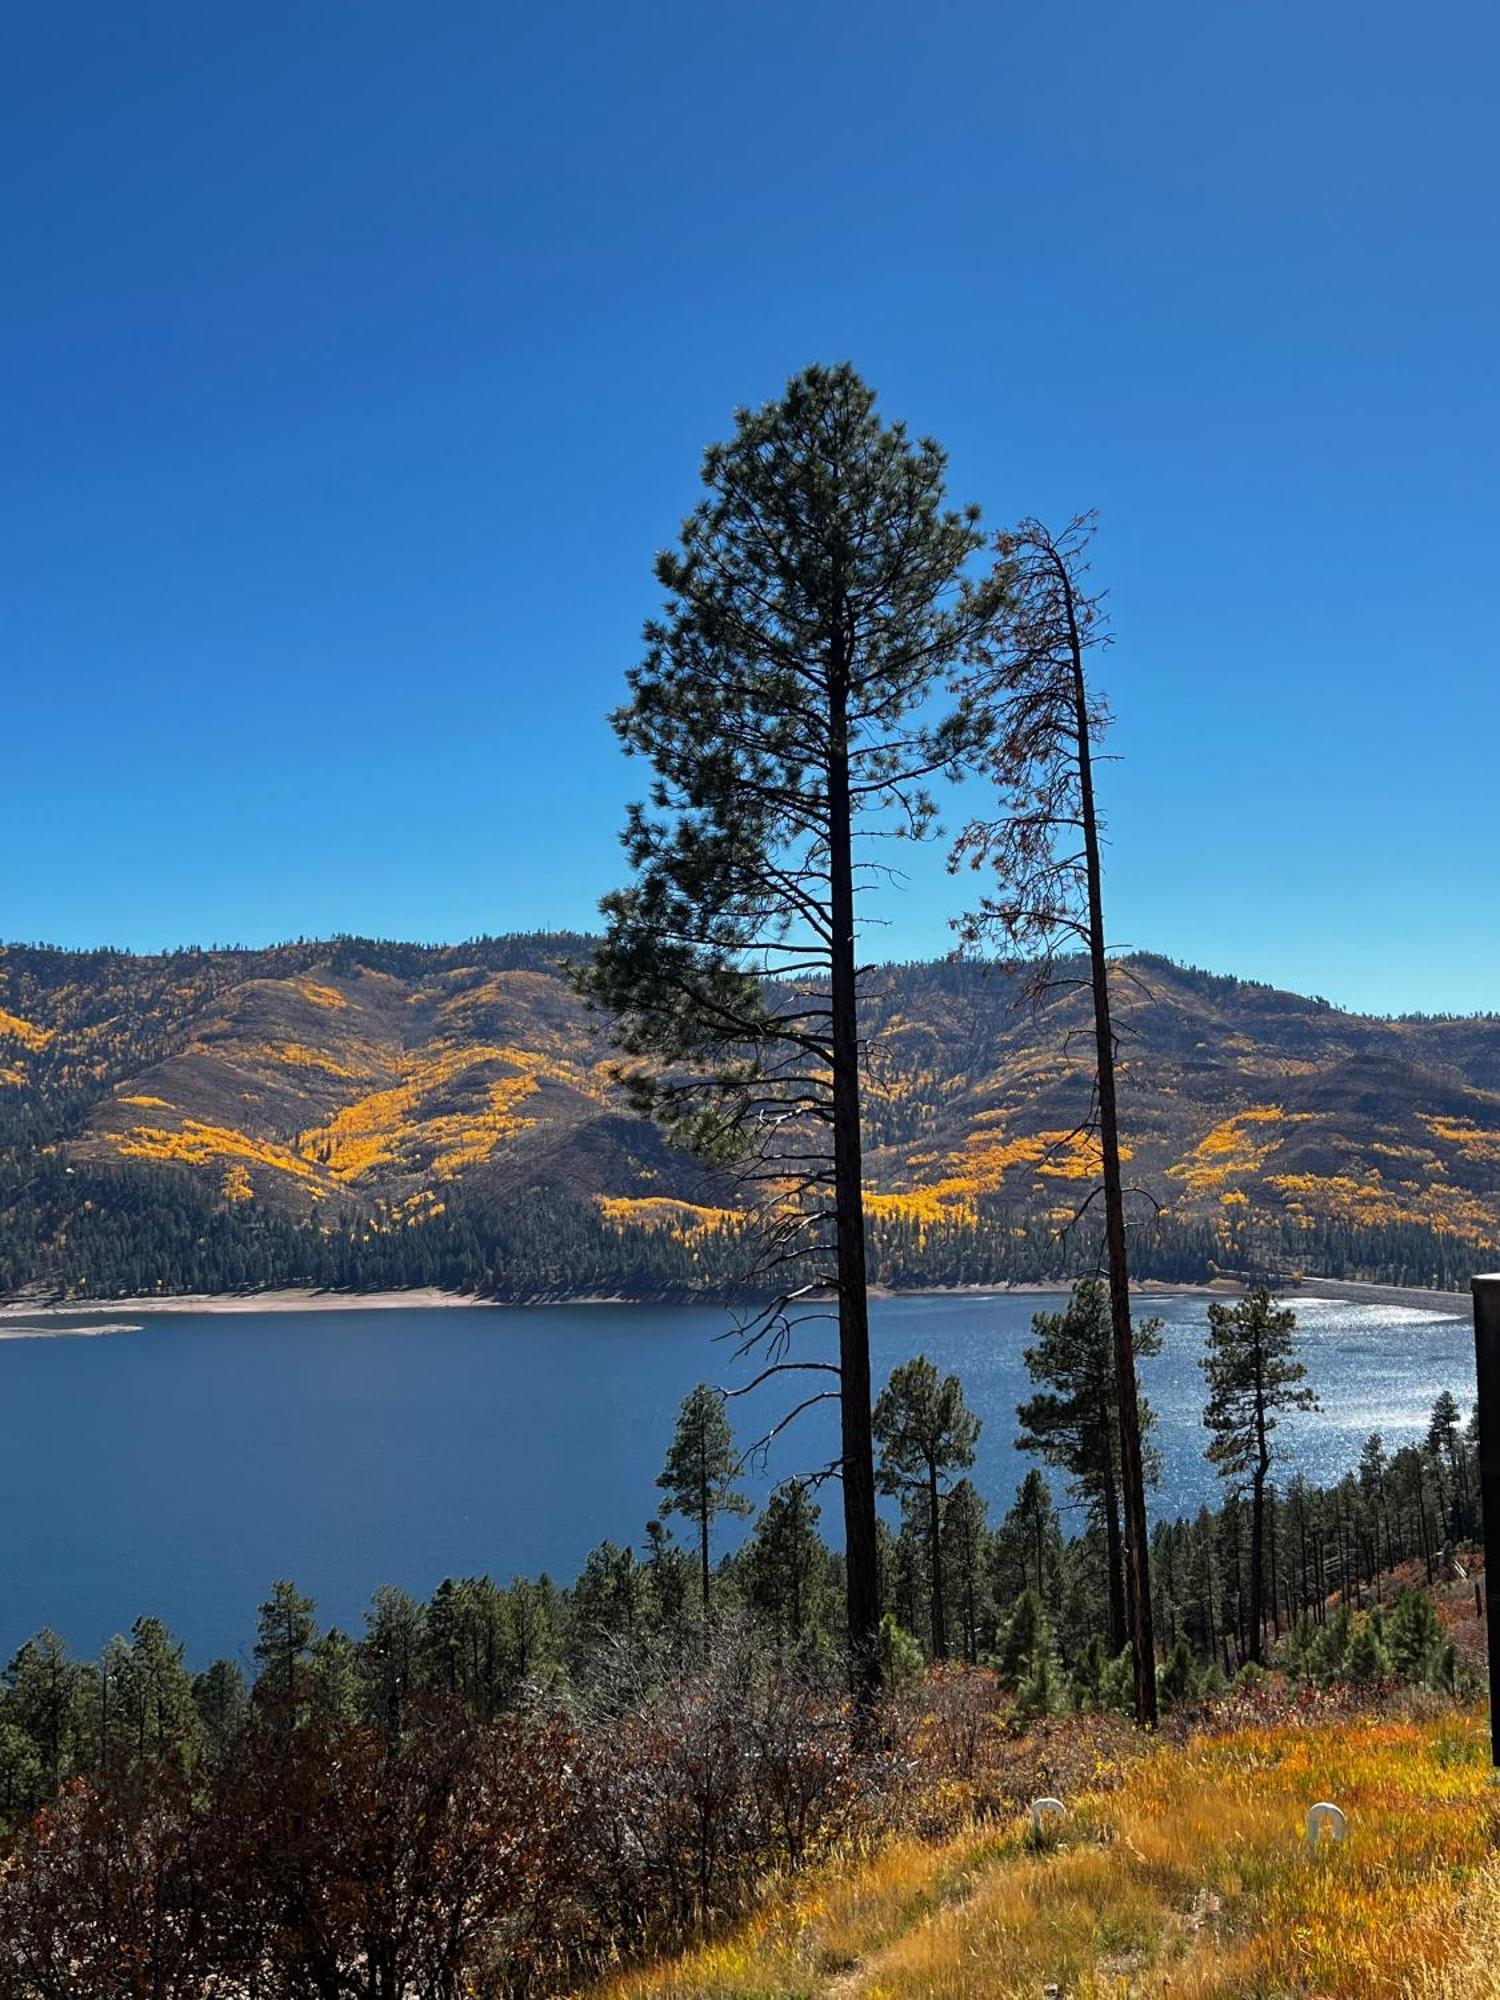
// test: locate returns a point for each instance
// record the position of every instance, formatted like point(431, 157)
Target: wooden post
point(1487, 1368)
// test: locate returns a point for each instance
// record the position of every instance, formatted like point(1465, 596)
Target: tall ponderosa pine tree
point(925, 1430)
point(1252, 1374)
point(965, 1539)
point(817, 599)
point(1044, 724)
point(285, 1630)
point(702, 1464)
point(1445, 1447)
point(786, 1561)
point(1074, 1422)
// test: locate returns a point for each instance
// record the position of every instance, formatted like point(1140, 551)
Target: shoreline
point(309, 1299)
point(1355, 1292)
point(283, 1299)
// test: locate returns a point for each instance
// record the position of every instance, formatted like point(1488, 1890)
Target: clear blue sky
point(356, 358)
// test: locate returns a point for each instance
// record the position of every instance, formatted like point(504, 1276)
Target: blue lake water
point(182, 1467)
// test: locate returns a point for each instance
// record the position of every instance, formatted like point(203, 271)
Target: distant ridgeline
point(362, 1113)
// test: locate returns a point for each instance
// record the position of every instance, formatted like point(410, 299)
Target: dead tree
point(1042, 853)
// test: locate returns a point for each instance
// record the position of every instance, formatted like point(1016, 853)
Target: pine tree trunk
point(1301, 1561)
point(1272, 1597)
point(1114, 1555)
point(1132, 1477)
point(935, 1544)
point(1320, 1573)
point(1258, 1519)
point(1258, 1562)
point(857, 1442)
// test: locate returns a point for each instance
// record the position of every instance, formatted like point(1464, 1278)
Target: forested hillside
point(371, 1113)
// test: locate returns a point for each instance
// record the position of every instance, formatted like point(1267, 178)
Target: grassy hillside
point(360, 1089)
point(1181, 1871)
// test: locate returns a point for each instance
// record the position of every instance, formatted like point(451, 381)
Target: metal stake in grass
point(1040, 1808)
point(1321, 1815)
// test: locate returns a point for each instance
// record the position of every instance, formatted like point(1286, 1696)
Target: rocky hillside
point(359, 1086)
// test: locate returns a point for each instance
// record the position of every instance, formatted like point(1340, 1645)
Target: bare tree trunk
point(857, 1442)
point(1132, 1476)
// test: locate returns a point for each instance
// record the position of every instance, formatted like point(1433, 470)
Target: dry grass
point(1191, 1878)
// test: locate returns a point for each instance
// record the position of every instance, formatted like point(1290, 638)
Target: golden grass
point(1192, 1878)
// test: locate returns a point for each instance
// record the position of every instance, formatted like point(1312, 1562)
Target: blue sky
point(355, 359)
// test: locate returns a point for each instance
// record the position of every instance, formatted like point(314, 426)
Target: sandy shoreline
point(23, 1330)
point(292, 1299)
point(288, 1300)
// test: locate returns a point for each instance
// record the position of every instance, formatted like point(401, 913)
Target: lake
point(180, 1468)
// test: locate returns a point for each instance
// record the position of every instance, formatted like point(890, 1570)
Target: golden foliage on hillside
point(1234, 1149)
point(297, 1055)
point(322, 996)
point(195, 1144)
point(360, 1074)
point(14, 1029)
point(1371, 1201)
point(985, 1164)
point(399, 1128)
point(683, 1218)
point(1473, 1141)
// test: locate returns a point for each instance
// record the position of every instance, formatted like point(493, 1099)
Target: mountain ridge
point(357, 1087)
